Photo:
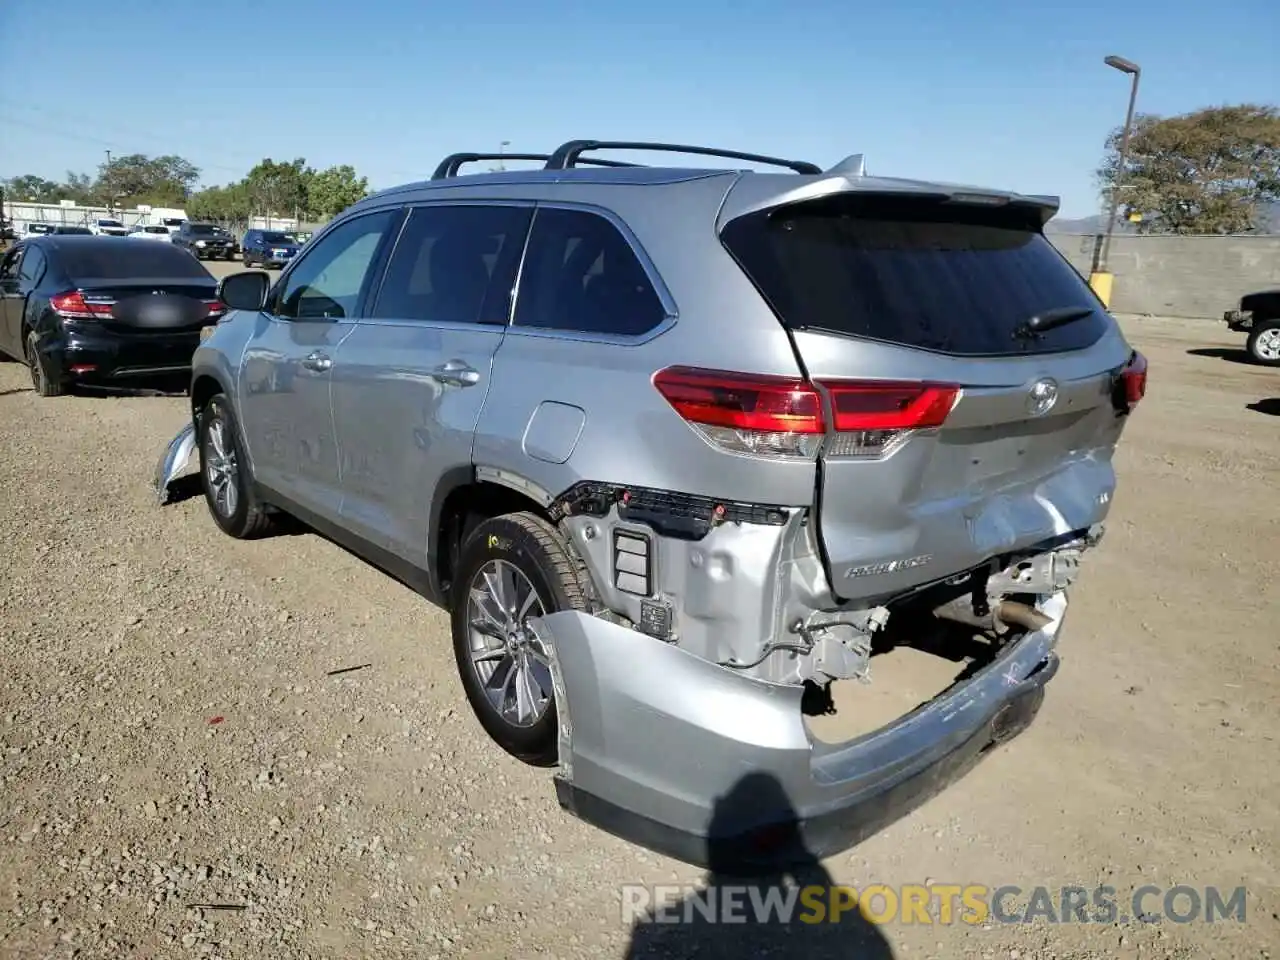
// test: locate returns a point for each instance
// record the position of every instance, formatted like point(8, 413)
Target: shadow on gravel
point(730, 917)
point(1269, 406)
point(1231, 354)
point(8, 393)
point(184, 488)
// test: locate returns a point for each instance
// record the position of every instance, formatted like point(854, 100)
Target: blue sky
point(1009, 94)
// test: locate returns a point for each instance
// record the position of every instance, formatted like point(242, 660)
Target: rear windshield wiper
point(1049, 320)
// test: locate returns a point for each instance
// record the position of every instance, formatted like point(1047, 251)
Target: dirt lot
point(365, 814)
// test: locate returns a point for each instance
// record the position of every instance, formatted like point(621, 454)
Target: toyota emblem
point(1042, 396)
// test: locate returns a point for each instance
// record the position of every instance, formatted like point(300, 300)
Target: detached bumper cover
point(689, 759)
point(1238, 320)
point(174, 461)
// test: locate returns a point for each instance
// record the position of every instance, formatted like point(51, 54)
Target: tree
point(1212, 171)
point(279, 189)
point(333, 190)
point(34, 189)
point(136, 179)
point(231, 203)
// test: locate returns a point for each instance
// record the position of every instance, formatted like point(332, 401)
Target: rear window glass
point(125, 261)
point(925, 274)
point(203, 228)
point(277, 238)
point(155, 229)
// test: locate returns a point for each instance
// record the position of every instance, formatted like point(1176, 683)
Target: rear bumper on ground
point(694, 761)
point(1241, 321)
point(173, 461)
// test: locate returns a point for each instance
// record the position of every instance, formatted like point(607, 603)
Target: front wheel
point(1264, 342)
point(224, 473)
point(512, 568)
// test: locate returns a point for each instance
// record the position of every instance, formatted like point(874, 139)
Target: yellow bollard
point(1101, 283)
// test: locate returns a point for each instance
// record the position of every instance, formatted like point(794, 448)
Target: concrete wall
point(1180, 276)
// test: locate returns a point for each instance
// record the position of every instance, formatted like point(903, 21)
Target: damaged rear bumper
point(173, 461)
point(705, 765)
point(1241, 321)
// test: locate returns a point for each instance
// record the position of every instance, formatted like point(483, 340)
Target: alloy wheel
point(510, 663)
point(221, 470)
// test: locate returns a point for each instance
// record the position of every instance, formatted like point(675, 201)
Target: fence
point(1179, 276)
point(19, 213)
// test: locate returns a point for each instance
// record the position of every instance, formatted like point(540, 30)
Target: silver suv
point(679, 449)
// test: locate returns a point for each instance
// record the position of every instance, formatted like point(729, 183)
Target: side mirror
point(246, 290)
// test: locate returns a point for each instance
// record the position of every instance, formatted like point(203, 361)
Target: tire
point(232, 504)
point(1264, 342)
point(41, 382)
point(531, 547)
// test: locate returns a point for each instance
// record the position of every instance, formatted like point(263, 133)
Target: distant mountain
point(1097, 223)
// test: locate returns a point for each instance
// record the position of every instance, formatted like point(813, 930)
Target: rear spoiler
point(749, 195)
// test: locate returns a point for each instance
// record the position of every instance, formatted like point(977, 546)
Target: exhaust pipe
point(1020, 614)
point(1004, 614)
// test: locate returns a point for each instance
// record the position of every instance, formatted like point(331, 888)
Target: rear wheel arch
point(461, 503)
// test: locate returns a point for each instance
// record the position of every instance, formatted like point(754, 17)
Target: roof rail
point(449, 165)
point(568, 154)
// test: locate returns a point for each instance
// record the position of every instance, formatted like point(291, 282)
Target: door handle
point(456, 373)
point(317, 361)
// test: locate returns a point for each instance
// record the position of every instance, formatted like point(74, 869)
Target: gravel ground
point(183, 778)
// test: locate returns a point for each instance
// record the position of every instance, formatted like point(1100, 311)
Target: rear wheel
point(42, 382)
point(1264, 342)
point(224, 473)
point(512, 568)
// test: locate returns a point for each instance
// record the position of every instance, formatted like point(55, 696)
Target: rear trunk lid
point(157, 307)
point(953, 436)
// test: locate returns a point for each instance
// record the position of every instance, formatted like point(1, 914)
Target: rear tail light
point(746, 414)
point(216, 308)
point(783, 416)
point(75, 306)
point(1133, 379)
point(874, 418)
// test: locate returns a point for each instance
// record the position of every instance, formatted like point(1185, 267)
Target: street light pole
point(502, 148)
point(1131, 68)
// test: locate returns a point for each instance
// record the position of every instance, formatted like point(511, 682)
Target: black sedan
point(95, 311)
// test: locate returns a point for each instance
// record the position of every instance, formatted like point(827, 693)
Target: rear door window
point(455, 264)
point(956, 279)
point(582, 275)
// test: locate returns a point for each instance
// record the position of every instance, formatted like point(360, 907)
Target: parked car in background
point(107, 227)
point(270, 248)
point(92, 310)
point(152, 231)
point(205, 241)
point(37, 229)
point(62, 230)
point(676, 447)
point(1259, 317)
